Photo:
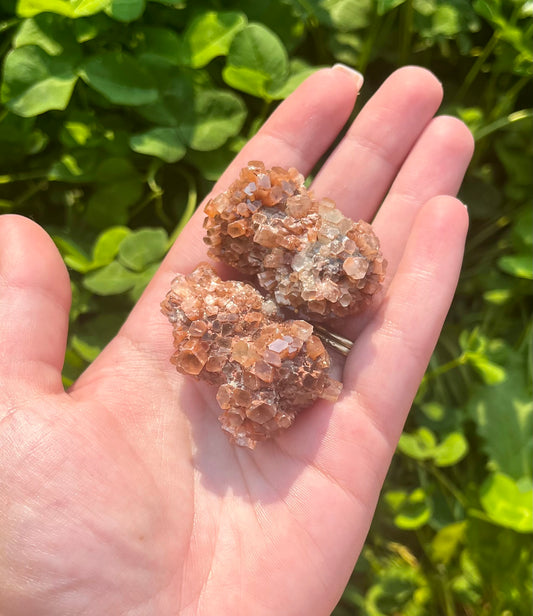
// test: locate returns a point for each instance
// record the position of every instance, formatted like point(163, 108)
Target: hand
point(123, 495)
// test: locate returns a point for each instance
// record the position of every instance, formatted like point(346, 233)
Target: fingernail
point(359, 79)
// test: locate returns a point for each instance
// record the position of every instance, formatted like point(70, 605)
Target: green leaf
point(165, 143)
point(210, 34)
point(176, 97)
point(412, 511)
point(299, 72)
point(213, 118)
point(143, 248)
point(125, 10)
point(446, 542)
point(107, 245)
point(109, 204)
point(504, 417)
point(35, 82)
point(19, 138)
point(451, 450)
point(112, 279)
point(508, 503)
point(520, 266)
point(420, 445)
point(257, 62)
point(120, 78)
point(159, 46)
point(68, 8)
point(52, 33)
point(213, 163)
point(342, 15)
point(498, 296)
point(144, 278)
point(93, 334)
point(77, 166)
point(492, 373)
point(73, 255)
point(88, 28)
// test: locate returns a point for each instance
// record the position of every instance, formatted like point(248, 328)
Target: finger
point(359, 172)
point(296, 134)
point(435, 166)
point(34, 305)
point(389, 358)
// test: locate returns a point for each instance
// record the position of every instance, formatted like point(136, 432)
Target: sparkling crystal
point(266, 369)
point(292, 242)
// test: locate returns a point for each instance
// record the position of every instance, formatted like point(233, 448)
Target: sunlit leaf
point(52, 33)
point(257, 62)
point(520, 266)
point(75, 257)
point(142, 248)
point(213, 118)
point(508, 503)
point(165, 143)
point(68, 8)
point(107, 245)
point(112, 279)
point(35, 82)
point(451, 450)
point(421, 445)
point(414, 511)
point(210, 34)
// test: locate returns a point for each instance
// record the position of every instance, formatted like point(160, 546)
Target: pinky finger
point(392, 353)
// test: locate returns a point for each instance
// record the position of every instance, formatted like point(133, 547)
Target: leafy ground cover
point(116, 118)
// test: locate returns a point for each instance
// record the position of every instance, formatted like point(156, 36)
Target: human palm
point(123, 496)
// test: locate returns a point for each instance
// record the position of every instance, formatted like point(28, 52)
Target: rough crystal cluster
point(267, 369)
point(305, 253)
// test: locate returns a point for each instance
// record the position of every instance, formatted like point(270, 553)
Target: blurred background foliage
point(118, 115)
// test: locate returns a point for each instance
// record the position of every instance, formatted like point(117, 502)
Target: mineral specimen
point(308, 256)
point(266, 368)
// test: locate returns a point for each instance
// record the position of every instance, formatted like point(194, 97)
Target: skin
point(123, 496)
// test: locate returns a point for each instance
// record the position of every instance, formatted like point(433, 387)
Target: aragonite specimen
point(305, 253)
point(267, 369)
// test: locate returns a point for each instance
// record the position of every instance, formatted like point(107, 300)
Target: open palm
point(123, 496)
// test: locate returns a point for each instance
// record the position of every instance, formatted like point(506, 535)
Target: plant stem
point(22, 177)
point(445, 482)
point(476, 67)
point(517, 116)
point(454, 363)
point(406, 31)
point(190, 206)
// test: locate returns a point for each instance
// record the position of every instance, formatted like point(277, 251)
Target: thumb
point(34, 306)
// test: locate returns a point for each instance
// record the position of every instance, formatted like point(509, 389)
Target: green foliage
point(119, 114)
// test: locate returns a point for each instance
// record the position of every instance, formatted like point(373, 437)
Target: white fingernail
point(359, 79)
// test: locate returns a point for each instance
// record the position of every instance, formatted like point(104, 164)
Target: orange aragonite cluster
point(308, 256)
point(266, 368)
